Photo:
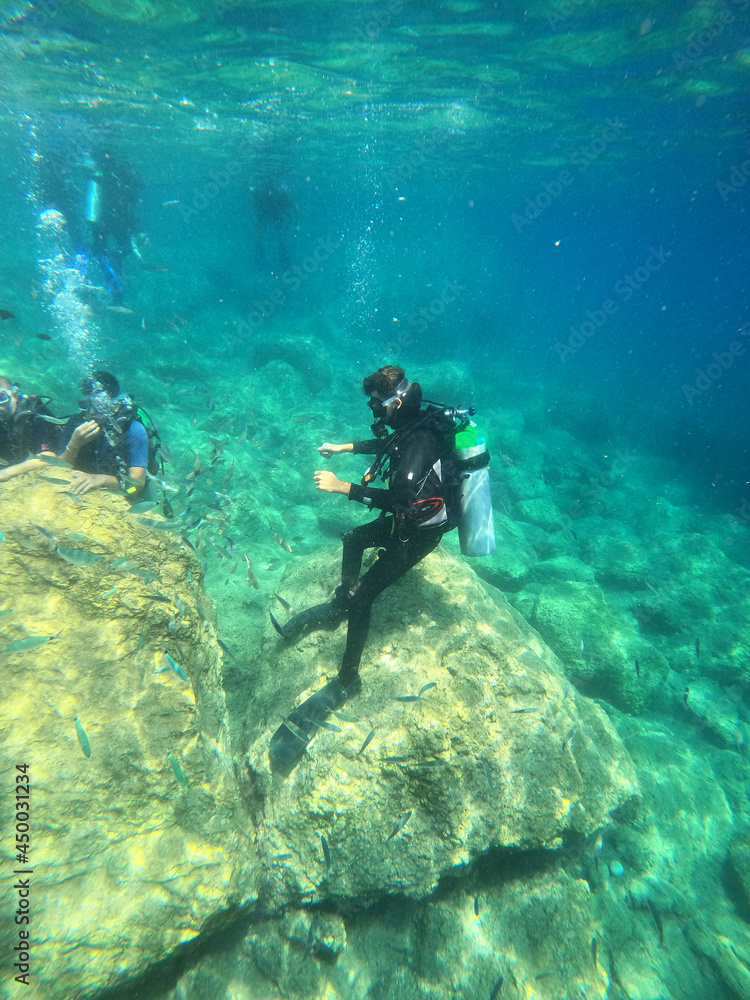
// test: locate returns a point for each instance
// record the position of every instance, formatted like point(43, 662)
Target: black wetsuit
point(420, 505)
point(27, 433)
point(416, 475)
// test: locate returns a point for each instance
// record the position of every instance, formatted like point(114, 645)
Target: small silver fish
point(426, 687)
point(311, 936)
point(346, 718)
point(285, 604)
point(123, 563)
point(368, 740)
point(56, 463)
point(400, 825)
point(322, 724)
point(568, 737)
point(142, 507)
point(176, 667)
point(78, 557)
point(295, 729)
point(178, 772)
point(162, 525)
point(281, 542)
point(496, 989)
point(24, 645)
point(326, 852)
point(406, 697)
point(488, 775)
point(251, 577)
point(82, 738)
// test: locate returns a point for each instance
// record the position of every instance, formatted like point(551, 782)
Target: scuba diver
point(60, 191)
point(27, 428)
point(106, 443)
point(112, 197)
point(275, 212)
point(421, 503)
point(98, 197)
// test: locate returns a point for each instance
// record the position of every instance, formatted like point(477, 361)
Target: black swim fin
point(329, 616)
point(290, 741)
point(276, 625)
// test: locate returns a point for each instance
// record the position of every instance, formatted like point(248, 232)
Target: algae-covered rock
point(498, 753)
point(136, 840)
point(542, 512)
point(683, 807)
point(563, 568)
point(598, 646)
point(541, 931)
point(540, 928)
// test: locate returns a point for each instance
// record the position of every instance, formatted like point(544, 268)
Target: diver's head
point(394, 400)
point(8, 398)
point(101, 399)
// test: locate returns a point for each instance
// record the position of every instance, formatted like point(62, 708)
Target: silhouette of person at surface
point(275, 216)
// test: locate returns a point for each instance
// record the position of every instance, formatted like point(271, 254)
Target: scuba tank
point(476, 529)
point(93, 199)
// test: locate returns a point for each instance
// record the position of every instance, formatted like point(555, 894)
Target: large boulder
point(136, 842)
point(499, 752)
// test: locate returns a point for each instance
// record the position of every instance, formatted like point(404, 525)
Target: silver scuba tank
point(476, 529)
point(93, 199)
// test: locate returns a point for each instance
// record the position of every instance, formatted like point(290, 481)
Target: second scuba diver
point(421, 503)
point(27, 428)
point(106, 443)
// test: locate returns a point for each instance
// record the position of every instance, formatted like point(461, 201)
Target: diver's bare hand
point(328, 483)
point(327, 449)
point(84, 482)
point(84, 432)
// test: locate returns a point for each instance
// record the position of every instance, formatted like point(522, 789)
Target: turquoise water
point(538, 210)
